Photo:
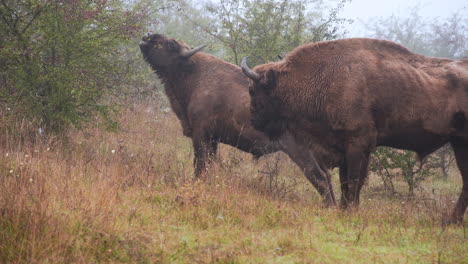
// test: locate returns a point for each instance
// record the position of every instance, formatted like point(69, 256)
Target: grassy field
point(129, 197)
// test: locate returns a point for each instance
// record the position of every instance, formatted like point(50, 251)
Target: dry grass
point(129, 197)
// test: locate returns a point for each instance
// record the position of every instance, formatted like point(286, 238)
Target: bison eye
point(251, 92)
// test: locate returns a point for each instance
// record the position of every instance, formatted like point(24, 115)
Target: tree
point(438, 37)
point(410, 32)
point(450, 37)
point(443, 159)
point(390, 163)
point(267, 28)
point(180, 20)
point(59, 57)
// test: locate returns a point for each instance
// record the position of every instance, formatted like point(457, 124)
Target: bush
point(390, 163)
point(58, 58)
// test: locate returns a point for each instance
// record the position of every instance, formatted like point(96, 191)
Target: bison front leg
point(461, 155)
point(353, 175)
point(344, 186)
point(320, 179)
point(316, 174)
point(204, 149)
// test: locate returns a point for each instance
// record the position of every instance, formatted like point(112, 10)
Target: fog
point(363, 10)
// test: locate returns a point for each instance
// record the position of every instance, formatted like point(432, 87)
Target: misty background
point(66, 65)
point(62, 63)
point(94, 166)
point(364, 11)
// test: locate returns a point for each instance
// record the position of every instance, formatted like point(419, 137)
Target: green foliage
point(265, 29)
point(180, 19)
point(58, 58)
point(390, 163)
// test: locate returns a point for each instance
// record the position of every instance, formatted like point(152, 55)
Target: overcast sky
point(362, 10)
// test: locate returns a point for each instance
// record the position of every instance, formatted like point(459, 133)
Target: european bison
point(210, 98)
point(343, 98)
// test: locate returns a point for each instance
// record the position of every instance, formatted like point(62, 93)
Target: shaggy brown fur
point(208, 95)
point(210, 98)
point(343, 98)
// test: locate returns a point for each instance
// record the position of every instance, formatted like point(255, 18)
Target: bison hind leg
point(460, 148)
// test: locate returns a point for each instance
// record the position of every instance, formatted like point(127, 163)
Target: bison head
point(163, 53)
point(265, 107)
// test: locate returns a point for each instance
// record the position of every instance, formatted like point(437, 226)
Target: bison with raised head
point(210, 97)
point(343, 98)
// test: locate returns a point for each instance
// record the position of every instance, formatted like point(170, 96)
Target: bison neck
point(179, 91)
point(176, 85)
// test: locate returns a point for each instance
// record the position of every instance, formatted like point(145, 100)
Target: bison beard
point(344, 98)
point(271, 122)
point(210, 98)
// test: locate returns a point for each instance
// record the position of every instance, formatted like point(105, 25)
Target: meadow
point(130, 197)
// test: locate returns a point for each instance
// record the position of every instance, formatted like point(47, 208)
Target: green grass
point(84, 203)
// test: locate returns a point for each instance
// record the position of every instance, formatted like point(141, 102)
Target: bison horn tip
point(190, 53)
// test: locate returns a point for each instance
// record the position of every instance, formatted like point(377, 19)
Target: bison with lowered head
point(210, 98)
point(343, 98)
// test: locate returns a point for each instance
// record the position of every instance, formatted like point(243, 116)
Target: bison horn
point(189, 53)
point(247, 71)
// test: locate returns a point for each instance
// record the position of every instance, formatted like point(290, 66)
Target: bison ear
point(173, 45)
